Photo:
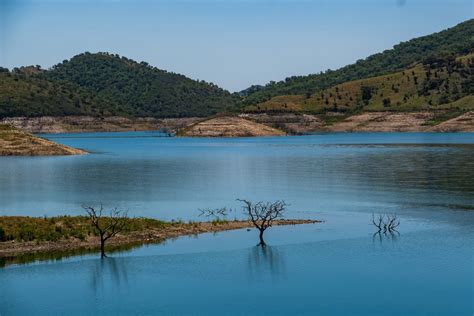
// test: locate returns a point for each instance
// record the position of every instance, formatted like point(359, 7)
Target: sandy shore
point(10, 249)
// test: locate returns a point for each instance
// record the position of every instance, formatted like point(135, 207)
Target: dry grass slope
point(416, 89)
point(14, 142)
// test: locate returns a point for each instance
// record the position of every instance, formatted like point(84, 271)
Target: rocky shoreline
point(245, 125)
point(88, 124)
point(366, 122)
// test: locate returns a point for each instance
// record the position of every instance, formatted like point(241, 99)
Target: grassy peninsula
point(35, 235)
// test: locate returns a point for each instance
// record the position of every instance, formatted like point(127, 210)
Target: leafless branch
point(217, 213)
point(106, 226)
point(263, 214)
point(387, 223)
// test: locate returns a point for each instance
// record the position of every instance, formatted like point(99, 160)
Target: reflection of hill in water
point(431, 166)
point(387, 240)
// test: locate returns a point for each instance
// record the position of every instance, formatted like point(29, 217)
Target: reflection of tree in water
point(55, 256)
point(108, 269)
point(264, 259)
point(386, 226)
point(385, 239)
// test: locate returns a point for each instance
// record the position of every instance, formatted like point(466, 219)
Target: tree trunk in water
point(102, 248)
point(262, 242)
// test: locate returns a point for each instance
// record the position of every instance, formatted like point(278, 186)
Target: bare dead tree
point(107, 225)
point(379, 223)
point(263, 214)
point(392, 223)
point(217, 213)
point(387, 223)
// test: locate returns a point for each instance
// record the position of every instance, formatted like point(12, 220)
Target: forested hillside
point(426, 73)
point(443, 83)
point(24, 92)
point(139, 89)
point(103, 84)
point(458, 40)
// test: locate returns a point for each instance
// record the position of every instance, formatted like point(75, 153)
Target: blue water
point(333, 268)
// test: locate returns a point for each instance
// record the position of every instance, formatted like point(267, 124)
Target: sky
point(231, 43)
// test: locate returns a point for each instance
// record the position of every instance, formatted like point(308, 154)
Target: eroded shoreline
point(285, 123)
point(16, 142)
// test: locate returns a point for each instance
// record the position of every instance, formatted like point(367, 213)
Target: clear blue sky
point(233, 43)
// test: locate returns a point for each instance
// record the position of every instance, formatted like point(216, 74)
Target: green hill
point(421, 74)
point(443, 83)
point(103, 84)
point(458, 40)
point(23, 92)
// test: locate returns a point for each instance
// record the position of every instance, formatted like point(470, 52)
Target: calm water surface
point(333, 268)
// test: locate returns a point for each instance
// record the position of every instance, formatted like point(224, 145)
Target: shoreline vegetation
point(22, 236)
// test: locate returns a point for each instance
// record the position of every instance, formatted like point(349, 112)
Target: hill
point(443, 83)
point(457, 40)
point(432, 74)
point(104, 84)
point(24, 92)
point(140, 90)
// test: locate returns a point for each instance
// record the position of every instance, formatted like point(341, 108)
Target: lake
point(338, 267)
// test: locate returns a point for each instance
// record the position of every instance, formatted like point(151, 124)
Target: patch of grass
point(219, 221)
point(21, 228)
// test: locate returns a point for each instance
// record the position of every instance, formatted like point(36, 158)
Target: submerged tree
point(107, 225)
point(385, 223)
point(217, 214)
point(263, 214)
